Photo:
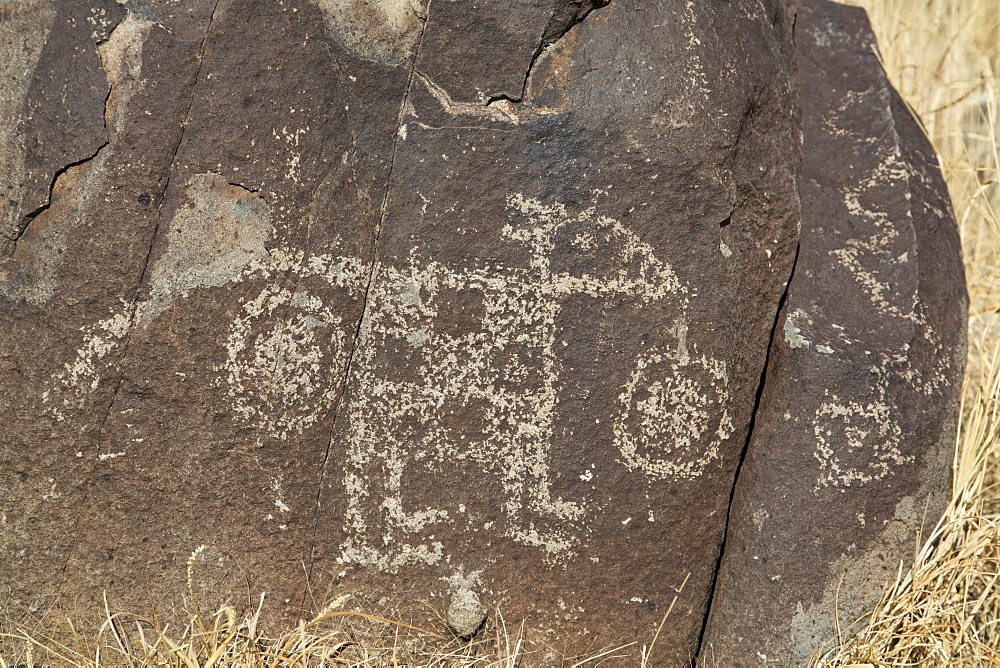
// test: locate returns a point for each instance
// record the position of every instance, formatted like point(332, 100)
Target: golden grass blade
point(110, 622)
point(646, 654)
point(48, 648)
point(603, 654)
point(223, 646)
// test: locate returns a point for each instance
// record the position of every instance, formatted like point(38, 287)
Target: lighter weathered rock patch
point(210, 241)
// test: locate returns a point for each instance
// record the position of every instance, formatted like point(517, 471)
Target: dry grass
point(224, 638)
point(944, 57)
point(333, 637)
point(329, 639)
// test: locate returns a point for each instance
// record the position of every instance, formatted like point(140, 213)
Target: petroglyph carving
point(508, 369)
point(286, 340)
point(871, 434)
point(285, 353)
point(868, 433)
point(856, 422)
point(862, 257)
point(81, 376)
point(673, 414)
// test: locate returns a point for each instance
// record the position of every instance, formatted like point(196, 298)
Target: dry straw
point(944, 56)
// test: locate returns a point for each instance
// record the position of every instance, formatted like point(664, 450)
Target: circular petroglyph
point(669, 411)
point(281, 360)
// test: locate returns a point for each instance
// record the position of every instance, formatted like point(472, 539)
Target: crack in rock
point(502, 108)
point(565, 16)
point(29, 217)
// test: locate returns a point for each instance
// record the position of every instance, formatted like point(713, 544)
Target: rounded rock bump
point(466, 613)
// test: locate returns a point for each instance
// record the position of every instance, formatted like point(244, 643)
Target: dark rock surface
point(448, 305)
point(393, 299)
point(548, 391)
point(53, 81)
point(852, 444)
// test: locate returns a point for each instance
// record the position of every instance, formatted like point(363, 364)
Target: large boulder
point(852, 443)
point(448, 304)
point(430, 303)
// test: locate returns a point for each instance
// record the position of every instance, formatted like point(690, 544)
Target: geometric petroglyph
point(283, 361)
point(858, 442)
point(502, 374)
point(673, 413)
point(285, 352)
point(284, 356)
point(867, 436)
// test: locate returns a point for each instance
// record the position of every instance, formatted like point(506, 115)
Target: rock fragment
point(466, 613)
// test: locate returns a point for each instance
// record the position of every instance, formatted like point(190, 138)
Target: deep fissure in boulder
point(778, 316)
